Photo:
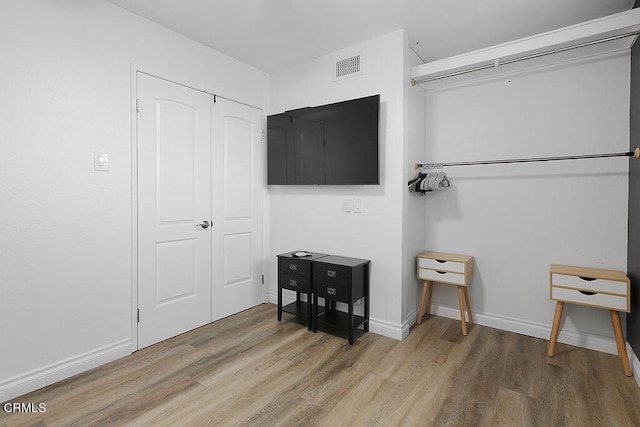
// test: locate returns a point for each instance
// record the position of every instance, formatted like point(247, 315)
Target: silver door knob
point(204, 224)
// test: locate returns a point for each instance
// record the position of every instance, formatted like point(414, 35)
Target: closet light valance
point(610, 33)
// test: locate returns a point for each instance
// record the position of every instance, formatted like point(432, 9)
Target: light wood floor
point(249, 369)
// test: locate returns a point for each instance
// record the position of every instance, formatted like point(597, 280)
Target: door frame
point(134, 71)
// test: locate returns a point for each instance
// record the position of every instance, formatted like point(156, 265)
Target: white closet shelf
point(607, 34)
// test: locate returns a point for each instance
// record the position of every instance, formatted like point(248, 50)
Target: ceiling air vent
point(348, 67)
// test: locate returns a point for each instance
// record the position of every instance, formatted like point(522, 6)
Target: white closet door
point(237, 208)
point(174, 201)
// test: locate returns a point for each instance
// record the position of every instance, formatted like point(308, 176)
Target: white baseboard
point(532, 329)
point(38, 378)
point(47, 375)
point(635, 364)
point(376, 326)
point(387, 329)
point(272, 298)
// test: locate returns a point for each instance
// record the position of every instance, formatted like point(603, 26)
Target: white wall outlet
point(357, 204)
point(346, 205)
point(101, 161)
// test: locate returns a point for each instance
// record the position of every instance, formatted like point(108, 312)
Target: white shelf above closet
point(608, 34)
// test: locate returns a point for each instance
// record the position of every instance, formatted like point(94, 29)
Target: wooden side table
point(452, 269)
point(593, 287)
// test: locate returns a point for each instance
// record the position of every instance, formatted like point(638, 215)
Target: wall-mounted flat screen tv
point(334, 144)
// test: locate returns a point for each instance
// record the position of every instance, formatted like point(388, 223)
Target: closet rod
point(498, 62)
point(635, 153)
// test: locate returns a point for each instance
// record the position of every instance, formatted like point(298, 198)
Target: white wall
point(311, 217)
point(413, 223)
point(66, 268)
point(518, 219)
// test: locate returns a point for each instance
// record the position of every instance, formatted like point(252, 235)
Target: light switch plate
point(346, 205)
point(357, 204)
point(101, 161)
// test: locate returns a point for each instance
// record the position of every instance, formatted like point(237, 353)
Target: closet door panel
point(237, 208)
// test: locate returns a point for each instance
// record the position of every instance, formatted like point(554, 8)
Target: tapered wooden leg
point(429, 292)
point(461, 302)
point(622, 351)
point(555, 327)
point(425, 287)
point(466, 298)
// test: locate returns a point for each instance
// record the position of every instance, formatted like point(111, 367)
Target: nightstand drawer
point(441, 265)
point(610, 302)
point(294, 282)
point(293, 265)
point(341, 278)
point(441, 276)
point(333, 274)
point(589, 284)
point(338, 292)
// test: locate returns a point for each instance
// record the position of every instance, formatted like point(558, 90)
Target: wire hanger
point(430, 177)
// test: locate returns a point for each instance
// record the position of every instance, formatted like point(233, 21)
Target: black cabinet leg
point(309, 312)
point(366, 313)
point(279, 303)
point(314, 316)
point(350, 323)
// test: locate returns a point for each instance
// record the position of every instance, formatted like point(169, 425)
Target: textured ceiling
point(274, 34)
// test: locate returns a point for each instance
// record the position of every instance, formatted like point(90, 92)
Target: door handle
point(204, 224)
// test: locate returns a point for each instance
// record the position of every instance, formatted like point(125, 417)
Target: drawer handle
point(293, 267)
point(587, 292)
point(331, 273)
point(441, 272)
point(293, 283)
point(587, 279)
point(331, 291)
point(441, 261)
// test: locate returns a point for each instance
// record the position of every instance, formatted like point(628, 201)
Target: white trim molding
point(376, 326)
point(634, 362)
point(537, 330)
point(610, 33)
point(47, 375)
point(388, 329)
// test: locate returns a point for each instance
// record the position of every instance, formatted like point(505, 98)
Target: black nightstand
point(341, 279)
point(297, 274)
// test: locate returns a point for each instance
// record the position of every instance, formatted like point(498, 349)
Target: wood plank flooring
point(250, 369)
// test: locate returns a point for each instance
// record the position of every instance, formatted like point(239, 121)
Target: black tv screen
point(334, 144)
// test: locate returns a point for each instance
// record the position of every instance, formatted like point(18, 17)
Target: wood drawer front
point(293, 265)
point(441, 276)
point(333, 282)
point(611, 302)
point(334, 291)
point(294, 282)
point(441, 265)
point(333, 274)
point(596, 285)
